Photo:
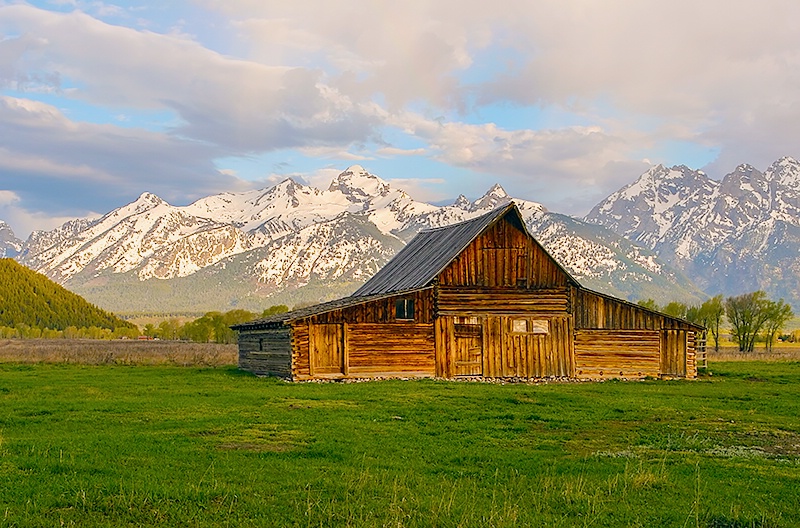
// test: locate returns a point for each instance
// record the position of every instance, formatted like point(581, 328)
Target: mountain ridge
point(255, 247)
point(731, 236)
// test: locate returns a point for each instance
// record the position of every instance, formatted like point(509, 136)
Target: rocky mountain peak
point(462, 202)
point(494, 197)
point(358, 185)
point(10, 245)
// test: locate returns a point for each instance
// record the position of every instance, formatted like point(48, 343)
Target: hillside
point(29, 298)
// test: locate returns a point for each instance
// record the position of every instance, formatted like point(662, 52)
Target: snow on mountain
point(10, 245)
point(731, 236)
point(292, 236)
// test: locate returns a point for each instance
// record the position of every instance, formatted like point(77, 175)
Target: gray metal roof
point(301, 313)
point(427, 254)
point(414, 268)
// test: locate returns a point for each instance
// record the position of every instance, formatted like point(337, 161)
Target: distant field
point(118, 445)
point(117, 352)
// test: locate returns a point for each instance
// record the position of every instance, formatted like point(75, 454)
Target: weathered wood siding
point(366, 340)
point(400, 349)
point(489, 345)
point(266, 352)
point(481, 300)
point(504, 256)
point(615, 338)
point(617, 353)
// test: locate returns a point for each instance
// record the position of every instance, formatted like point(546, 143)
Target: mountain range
point(295, 244)
point(732, 236)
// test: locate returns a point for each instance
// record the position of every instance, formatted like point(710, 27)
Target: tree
point(676, 309)
point(274, 310)
point(778, 314)
point(650, 304)
point(747, 314)
point(708, 314)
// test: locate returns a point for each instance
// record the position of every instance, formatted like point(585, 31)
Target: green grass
point(138, 446)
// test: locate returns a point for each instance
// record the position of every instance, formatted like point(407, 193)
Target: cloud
point(615, 81)
point(237, 104)
point(45, 158)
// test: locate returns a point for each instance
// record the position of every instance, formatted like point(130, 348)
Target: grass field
point(116, 445)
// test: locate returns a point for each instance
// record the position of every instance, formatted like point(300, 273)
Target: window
point(260, 344)
point(404, 308)
point(540, 326)
point(530, 326)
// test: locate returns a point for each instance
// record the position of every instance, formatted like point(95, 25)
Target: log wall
point(543, 349)
point(482, 300)
point(504, 256)
point(617, 353)
point(374, 343)
point(266, 352)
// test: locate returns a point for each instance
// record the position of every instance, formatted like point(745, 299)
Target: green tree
point(273, 310)
point(169, 329)
point(747, 315)
point(650, 304)
point(708, 314)
point(676, 309)
point(778, 314)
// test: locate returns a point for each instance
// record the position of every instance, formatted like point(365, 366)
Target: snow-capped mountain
point(731, 236)
point(10, 245)
point(295, 243)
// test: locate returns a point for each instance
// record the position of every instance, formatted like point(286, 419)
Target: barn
point(481, 298)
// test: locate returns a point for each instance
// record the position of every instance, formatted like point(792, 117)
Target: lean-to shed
point(479, 298)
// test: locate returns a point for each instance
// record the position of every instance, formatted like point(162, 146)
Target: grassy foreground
point(84, 445)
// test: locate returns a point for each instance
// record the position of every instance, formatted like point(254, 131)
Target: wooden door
point(327, 349)
point(673, 353)
point(468, 350)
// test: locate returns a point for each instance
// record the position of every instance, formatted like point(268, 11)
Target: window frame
point(404, 309)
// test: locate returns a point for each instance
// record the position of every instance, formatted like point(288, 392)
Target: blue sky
point(561, 102)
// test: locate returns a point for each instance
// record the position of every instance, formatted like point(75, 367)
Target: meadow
point(117, 444)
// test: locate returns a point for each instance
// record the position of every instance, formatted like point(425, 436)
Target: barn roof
point(301, 313)
point(415, 266)
point(431, 251)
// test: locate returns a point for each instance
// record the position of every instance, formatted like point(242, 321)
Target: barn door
point(468, 353)
point(673, 353)
point(327, 350)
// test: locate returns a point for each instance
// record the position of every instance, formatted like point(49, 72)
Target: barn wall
point(617, 353)
point(503, 352)
point(266, 352)
point(481, 300)
point(390, 349)
point(373, 342)
point(617, 339)
point(504, 256)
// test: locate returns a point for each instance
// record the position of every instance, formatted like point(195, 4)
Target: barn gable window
point(404, 308)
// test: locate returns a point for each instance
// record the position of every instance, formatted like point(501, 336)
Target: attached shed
point(478, 298)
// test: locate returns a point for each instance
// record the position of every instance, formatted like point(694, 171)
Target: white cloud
point(8, 198)
point(327, 80)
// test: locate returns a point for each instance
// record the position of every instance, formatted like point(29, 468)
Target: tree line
point(213, 327)
point(750, 316)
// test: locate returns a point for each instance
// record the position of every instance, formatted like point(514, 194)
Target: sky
point(561, 102)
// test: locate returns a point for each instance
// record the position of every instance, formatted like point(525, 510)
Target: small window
point(260, 344)
point(540, 326)
point(519, 326)
point(404, 308)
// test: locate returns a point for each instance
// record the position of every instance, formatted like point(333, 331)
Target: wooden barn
point(479, 298)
